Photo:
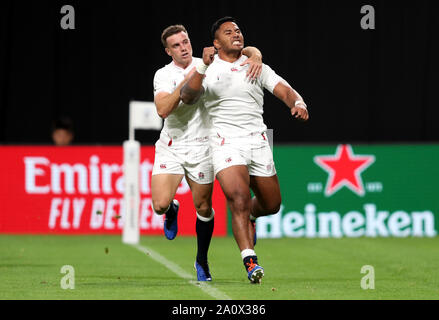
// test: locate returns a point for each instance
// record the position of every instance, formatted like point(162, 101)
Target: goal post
point(131, 162)
point(142, 115)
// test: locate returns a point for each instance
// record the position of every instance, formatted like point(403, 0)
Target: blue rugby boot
point(203, 273)
point(170, 226)
point(254, 272)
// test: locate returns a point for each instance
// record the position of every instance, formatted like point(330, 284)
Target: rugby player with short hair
point(183, 148)
point(242, 157)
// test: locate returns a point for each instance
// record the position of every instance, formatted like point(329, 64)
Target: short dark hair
point(219, 23)
point(170, 31)
point(64, 123)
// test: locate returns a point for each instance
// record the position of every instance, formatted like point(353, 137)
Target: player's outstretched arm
point(293, 100)
point(193, 89)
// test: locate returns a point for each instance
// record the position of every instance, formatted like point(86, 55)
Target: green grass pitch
point(303, 269)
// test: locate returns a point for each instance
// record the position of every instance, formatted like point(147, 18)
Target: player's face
point(180, 49)
point(229, 38)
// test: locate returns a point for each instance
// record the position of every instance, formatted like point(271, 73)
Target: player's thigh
point(202, 196)
point(163, 189)
point(267, 191)
point(235, 183)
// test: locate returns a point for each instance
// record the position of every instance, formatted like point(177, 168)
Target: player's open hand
point(209, 55)
point(255, 67)
point(300, 113)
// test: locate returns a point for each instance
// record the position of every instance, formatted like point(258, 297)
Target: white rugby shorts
point(252, 151)
point(194, 161)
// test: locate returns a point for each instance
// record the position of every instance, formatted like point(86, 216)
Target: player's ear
point(216, 45)
point(168, 51)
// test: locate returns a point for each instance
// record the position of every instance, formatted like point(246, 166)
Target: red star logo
point(344, 169)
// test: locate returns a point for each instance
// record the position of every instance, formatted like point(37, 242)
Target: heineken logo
point(344, 169)
point(370, 221)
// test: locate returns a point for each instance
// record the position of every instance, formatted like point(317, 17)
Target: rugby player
point(183, 148)
point(242, 157)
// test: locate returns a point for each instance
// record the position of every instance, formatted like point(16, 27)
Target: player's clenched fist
point(209, 55)
point(300, 113)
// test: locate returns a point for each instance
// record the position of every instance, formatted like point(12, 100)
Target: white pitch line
point(206, 287)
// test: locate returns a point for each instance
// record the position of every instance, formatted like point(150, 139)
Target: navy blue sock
point(204, 235)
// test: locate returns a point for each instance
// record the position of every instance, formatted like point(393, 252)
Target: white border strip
point(206, 287)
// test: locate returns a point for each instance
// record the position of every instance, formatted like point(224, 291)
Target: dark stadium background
point(362, 86)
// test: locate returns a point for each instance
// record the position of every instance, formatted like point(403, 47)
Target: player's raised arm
point(193, 89)
point(292, 99)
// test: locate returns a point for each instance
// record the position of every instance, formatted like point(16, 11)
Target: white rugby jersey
point(187, 124)
point(235, 104)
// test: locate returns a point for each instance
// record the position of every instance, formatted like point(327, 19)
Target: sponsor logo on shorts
point(163, 166)
point(201, 175)
point(228, 160)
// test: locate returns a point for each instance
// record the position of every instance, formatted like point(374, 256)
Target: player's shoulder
point(267, 69)
point(165, 70)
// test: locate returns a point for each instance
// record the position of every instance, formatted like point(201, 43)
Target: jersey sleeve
point(162, 83)
point(269, 78)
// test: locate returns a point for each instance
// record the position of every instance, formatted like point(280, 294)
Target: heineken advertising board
point(354, 191)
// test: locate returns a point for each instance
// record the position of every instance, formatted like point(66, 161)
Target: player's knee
point(204, 209)
point(272, 207)
point(160, 206)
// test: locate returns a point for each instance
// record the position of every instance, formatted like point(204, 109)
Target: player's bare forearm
point(192, 90)
point(252, 52)
point(293, 100)
point(288, 95)
point(166, 103)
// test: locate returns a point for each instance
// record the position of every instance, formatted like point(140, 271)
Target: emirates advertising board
point(337, 191)
point(79, 190)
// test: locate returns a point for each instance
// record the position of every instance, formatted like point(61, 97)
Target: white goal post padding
point(131, 164)
point(142, 115)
